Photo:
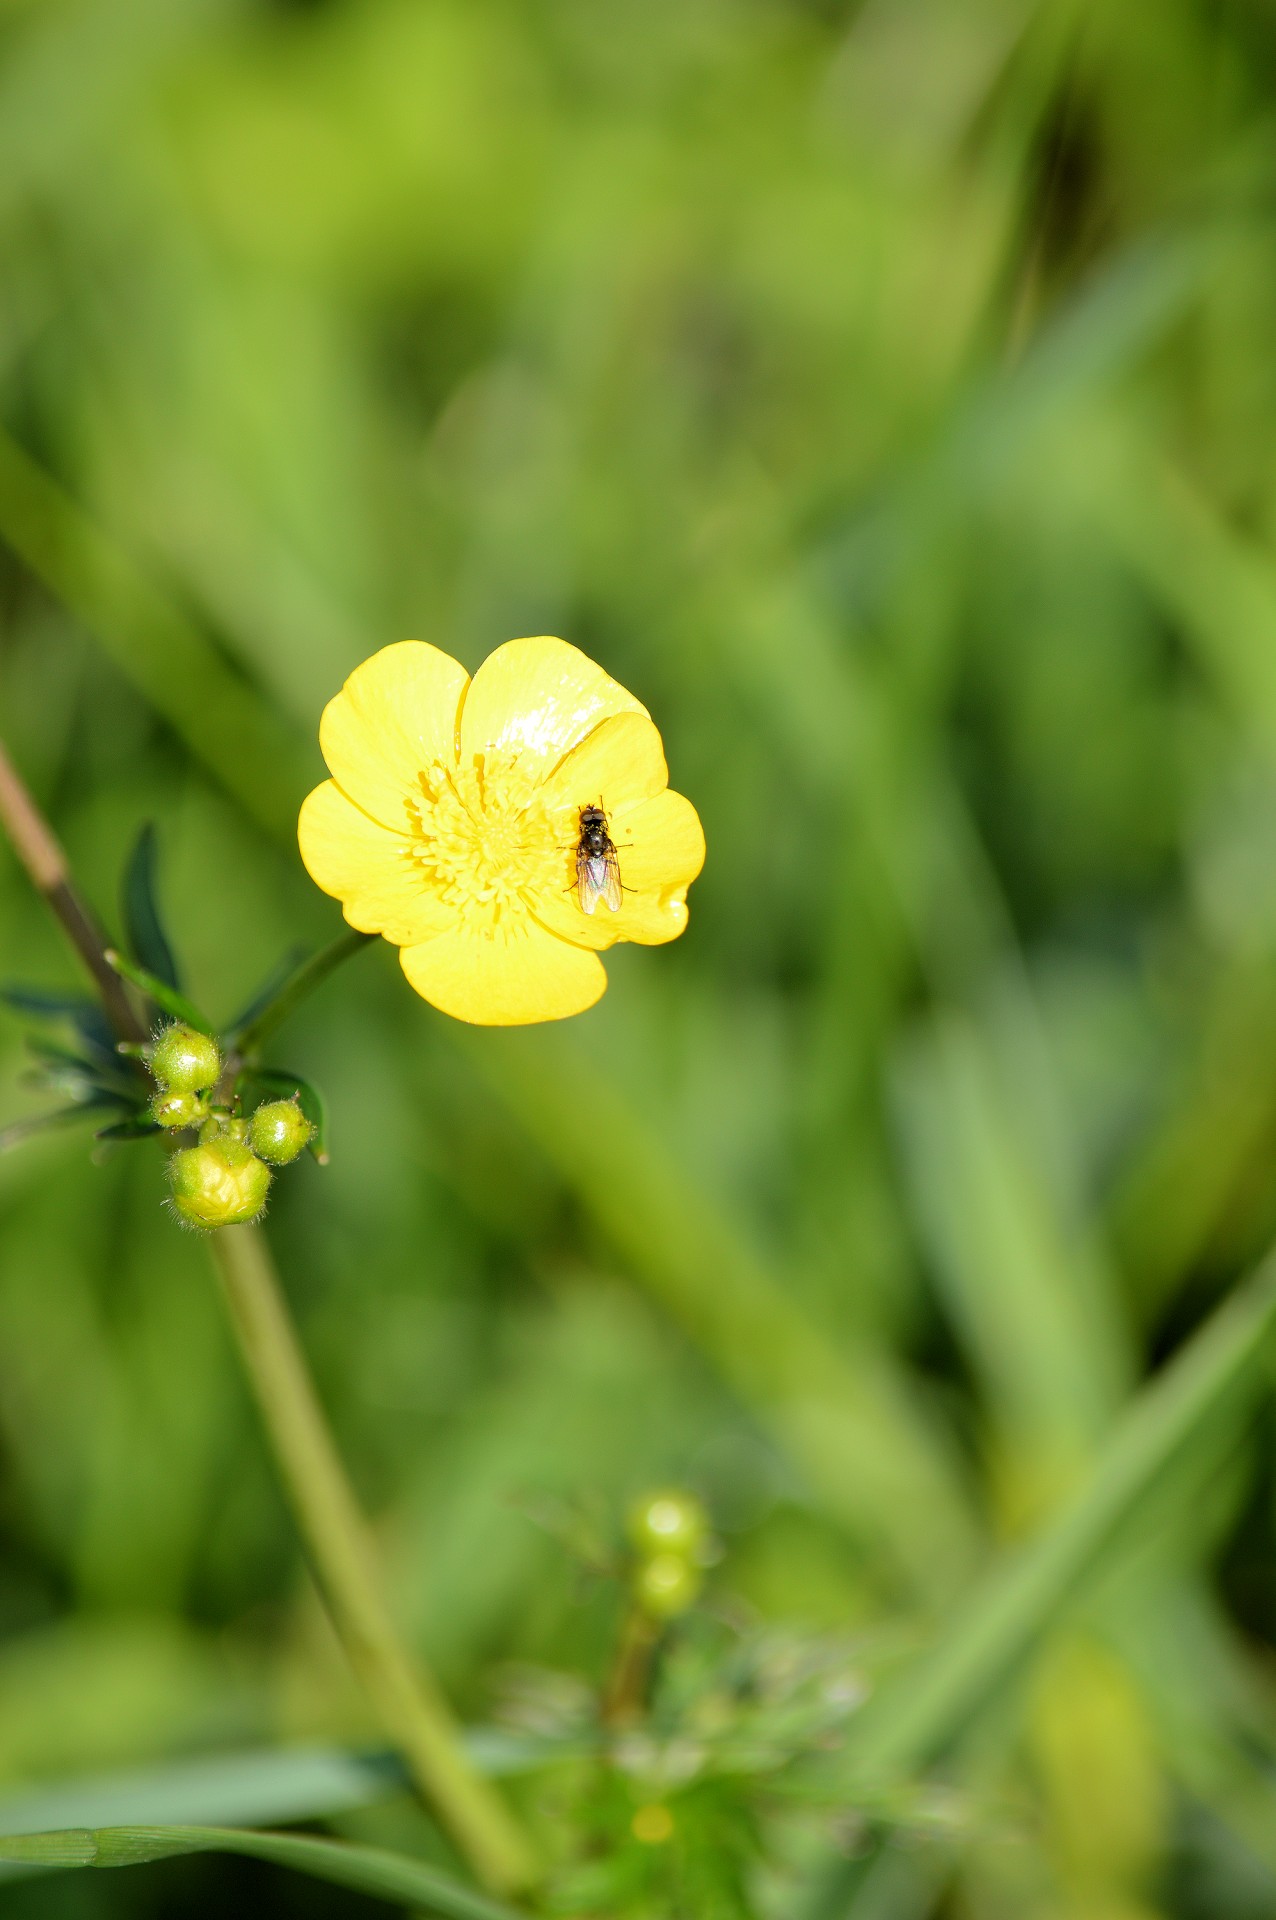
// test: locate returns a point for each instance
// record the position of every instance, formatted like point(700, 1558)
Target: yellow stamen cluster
point(482, 838)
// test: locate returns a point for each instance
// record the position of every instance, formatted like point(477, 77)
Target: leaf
point(269, 988)
point(108, 1072)
point(166, 998)
point(18, 1132)
point(387, 1876)
point(261, 1786)
point(847, 1415)
point(84, 1014)
point(142, 924)
point(913, 1722)
point(257, 757)
point(136, 1129)
point(298, 985)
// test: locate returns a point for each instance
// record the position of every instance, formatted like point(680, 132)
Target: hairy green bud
point(666, 1585)
point(184, 1061)
point(178, 1110)
point(278, 1131)
point(219, 1184)
point(221, 1125)
point(668, 1521)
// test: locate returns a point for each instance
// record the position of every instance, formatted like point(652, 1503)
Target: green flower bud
point(178, 1109)
point(184, 1061)
point(220, 1184)
point(668, 1522)
point(279, 1131)
point(221, 1125)
point(666, 1585)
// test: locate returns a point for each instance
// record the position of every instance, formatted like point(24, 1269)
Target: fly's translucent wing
point(598, 878)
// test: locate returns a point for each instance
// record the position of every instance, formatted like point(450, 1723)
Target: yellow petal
point(506, 978)
point(368, 868)
point(666, 842)
point(396, 714)
point(538, 699)
point(620, 764)
point(660, 847)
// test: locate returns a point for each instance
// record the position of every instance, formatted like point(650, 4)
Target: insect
point(597, 867)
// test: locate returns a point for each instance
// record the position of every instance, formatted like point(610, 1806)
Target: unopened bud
point(279, 1131)
point(668, 1522)
point(220, 1184)
point(666, 1585)
point(184, 1061)
point(178, 1109)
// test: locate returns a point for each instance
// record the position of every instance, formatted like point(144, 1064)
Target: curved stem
point(410, 1705)
point(407, 1700)
point(40, 852)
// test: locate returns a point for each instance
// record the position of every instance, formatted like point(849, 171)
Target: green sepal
point(143, 927)
point(166, 998)
point(273, 1007)
point(313, 1105)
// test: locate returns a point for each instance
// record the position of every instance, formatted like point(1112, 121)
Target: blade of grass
point(845, 1414)
point(253, 754)
point(261, 1788)
point(914, 1721)
point(1023, 1283)
point(369, 1870)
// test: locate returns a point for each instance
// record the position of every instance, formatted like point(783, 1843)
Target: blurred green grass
point(886, 395)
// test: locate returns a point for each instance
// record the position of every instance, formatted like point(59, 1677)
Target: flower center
point(482, 838)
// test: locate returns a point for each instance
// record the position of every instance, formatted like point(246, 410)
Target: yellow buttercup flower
point(458, 823)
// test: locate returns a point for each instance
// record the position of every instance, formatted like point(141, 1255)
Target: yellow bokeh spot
point(653, 1825)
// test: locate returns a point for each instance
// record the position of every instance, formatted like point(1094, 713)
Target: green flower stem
point(410, 1705)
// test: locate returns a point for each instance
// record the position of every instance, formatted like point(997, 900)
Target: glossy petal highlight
point(538, 699)
point(618, 765)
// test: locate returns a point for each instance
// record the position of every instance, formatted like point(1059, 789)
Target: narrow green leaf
point(300, 983)
point(917, 1719)
point(371, 1870)
point(140, 908)
point(259, 1787)
point(18, 1132)
point(106, 1072)
point(129, 1130)
point(278, 976)
point(253, 753)
point(42, 1005)
point(166, 998)
point(845, 1413)
point(84, 1014)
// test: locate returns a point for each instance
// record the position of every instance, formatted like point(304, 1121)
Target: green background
point(886, 394)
